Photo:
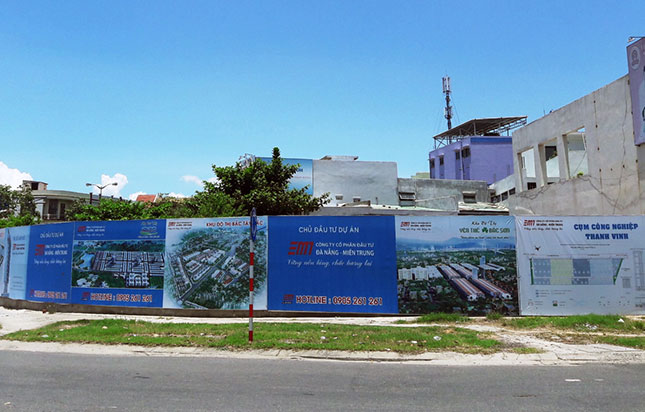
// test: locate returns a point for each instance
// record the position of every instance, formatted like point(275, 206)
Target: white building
point(348, 180)
point(419, 273)
point(52, 204)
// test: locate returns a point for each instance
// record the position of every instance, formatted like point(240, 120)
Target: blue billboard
point(338, 264)
point(49, 263)
point(118, 263)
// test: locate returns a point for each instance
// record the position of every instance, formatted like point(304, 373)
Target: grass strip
point(443, 318)
point(267, 336)
point(526, 350)
point(579, 323)
point(626, 341)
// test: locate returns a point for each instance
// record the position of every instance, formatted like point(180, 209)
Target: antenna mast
point(448, 109)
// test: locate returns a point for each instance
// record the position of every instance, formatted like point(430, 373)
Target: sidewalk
point(554, 353)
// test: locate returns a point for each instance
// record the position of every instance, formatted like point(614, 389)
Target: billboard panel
point(338, 264)
point(579, 265)
point(14, 244)
point(456, 264)
point(49, 263)
point(118, 263)
point(207, 263)
point(636, 66)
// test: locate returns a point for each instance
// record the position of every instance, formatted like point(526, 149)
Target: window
point(407, 196)
point(356, 199)
point(457, 156)
point(550, 152)
point(52, 209)
point(470, 197)
point(465, 152)
point(440, 160)
point(531, 185)
point(431, 163)
point(576, 143)
point(552, 171)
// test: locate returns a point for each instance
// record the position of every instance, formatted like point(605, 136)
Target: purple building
point(465, 154)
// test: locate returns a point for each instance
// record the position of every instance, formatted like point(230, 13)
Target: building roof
point(146, 198)
point(59, 194)
point(482, 208)
point(483, 127)
point(341, 158)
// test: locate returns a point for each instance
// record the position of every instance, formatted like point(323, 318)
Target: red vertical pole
point(251, 259)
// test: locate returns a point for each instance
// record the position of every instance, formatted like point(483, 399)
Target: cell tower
point(448, 109)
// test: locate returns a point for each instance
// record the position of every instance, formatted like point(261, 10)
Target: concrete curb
point(428, 358)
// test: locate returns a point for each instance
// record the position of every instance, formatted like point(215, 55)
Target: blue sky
point(156, 92)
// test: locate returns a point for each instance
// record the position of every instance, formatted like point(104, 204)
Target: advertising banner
point(14, 243)
point(207, 263)
point(334, 264)
point(118, 263)
point(49, 263)
point(303, 176)
point(456, 264)
point(579, 265)
point(636, 67)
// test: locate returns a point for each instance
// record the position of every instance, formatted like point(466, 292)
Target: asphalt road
point(69, 382)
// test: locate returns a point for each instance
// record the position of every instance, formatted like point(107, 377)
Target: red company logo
point(301, 248)
point(81, 229)
point(210, 224)
point(40, 250)
point(529, 222)
point(287, 299)
point(171, 224)
point(405, 224)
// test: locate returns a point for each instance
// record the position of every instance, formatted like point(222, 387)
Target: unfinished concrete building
point(581, 159)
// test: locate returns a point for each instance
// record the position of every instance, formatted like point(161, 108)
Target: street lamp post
point(101, 187)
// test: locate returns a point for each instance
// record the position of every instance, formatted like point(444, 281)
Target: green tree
point(207, 203)
point(265, 186)
point(107, 209)
point(17, 207)
point(200, 205)
point(239, 188)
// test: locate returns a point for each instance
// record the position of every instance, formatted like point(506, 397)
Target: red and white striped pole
point(251, 259)
point(253, 226)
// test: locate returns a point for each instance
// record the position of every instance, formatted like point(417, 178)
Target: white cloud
point(12, 177)
point(192, 179)
point(197, 180)
point(121, 181)
point(177, 195)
